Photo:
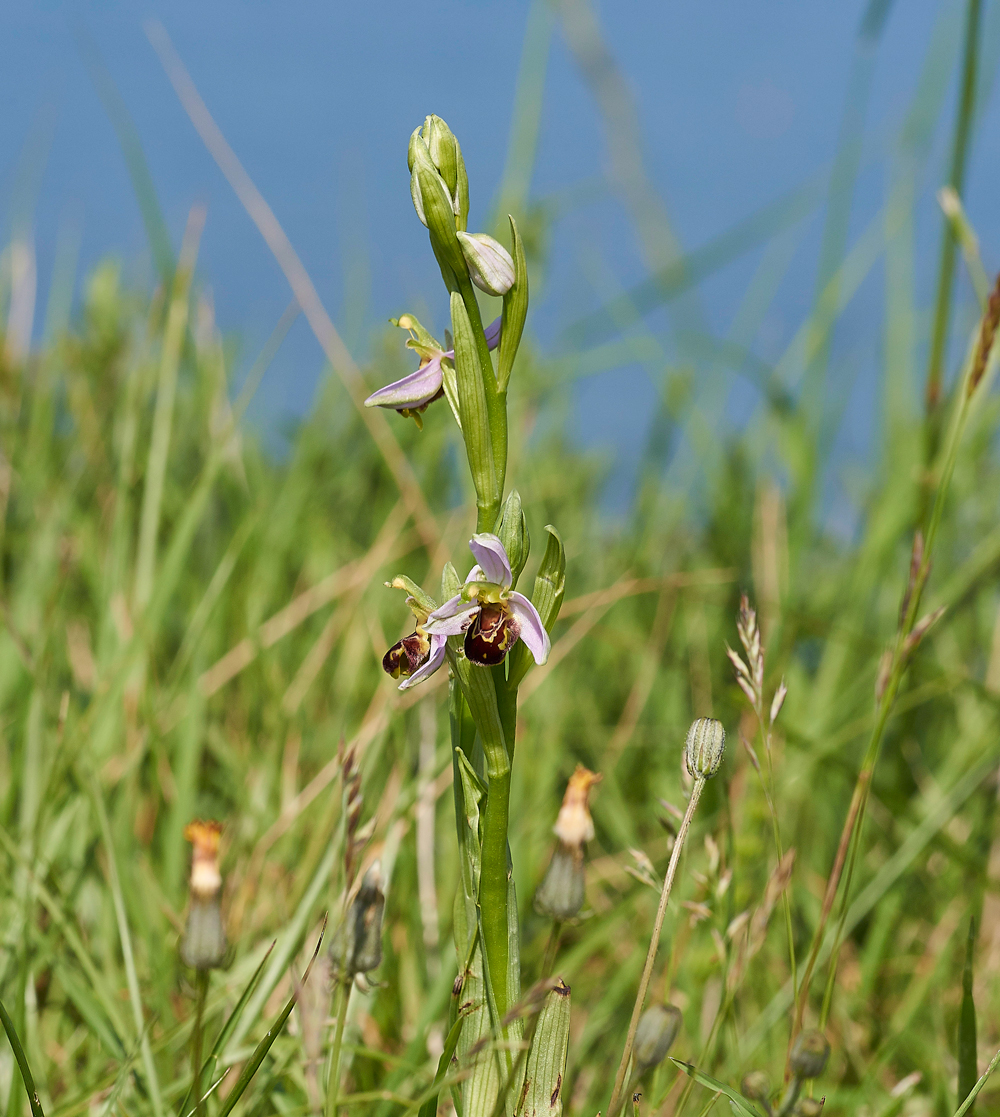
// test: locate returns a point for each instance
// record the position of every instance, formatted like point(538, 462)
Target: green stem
point(551, 950)
point(196, 1039)
point(654, 942)
point(776, 828)
point(333, 1081)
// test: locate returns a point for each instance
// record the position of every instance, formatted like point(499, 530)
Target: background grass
point(192, 626)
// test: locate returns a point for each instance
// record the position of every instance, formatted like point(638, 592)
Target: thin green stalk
point(854, 823)
point(551, 950)
point(341, 1002)
point(779, 848)
point(654, 942)
point(946, 269)
point(974, 1092)
point(125, 937)
point(196, 1040)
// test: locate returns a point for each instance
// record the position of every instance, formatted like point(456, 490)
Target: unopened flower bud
point(443, 150)
point(704, 748)
point(362, 951)
point(809, 1054)
point(512, 530)
point(560, 895)
point(204, 943)
point(810, 1107)
point(657, 1029)
point(756, 1086)
point(490, 265)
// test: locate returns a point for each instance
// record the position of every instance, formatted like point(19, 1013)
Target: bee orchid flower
point(415, 392)
point(491, 614)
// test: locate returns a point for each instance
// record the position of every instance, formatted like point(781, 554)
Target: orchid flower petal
point(434, 661)
point(532, 630)
point(491, 556)
point(413, 391)
point(452, 618)
point(492, 332)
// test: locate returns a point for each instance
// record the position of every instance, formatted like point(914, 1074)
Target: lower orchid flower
point(415, 392)
point(417, 656)
point(491, 614)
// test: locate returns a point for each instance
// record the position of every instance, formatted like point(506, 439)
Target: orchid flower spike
point(414, 393)
point(492, 616)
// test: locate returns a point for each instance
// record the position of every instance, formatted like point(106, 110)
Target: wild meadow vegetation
point(193, 628)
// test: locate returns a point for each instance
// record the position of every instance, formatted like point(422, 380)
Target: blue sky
point(738, 103)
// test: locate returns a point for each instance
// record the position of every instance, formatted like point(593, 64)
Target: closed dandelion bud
point(560, 895)
point(512, 530)
point(756, 1086)
point(204, 943)
point(705, 747)
point(490, 265)
point(809, 1054)
point(363, 929)
point(657, 1029)
point(810, 1107)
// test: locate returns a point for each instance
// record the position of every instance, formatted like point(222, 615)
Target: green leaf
point(22, 1062)
point(546, 1069)
point(515, 310)
point(262, 1048)
point(740, 1103)
point(968, 1065)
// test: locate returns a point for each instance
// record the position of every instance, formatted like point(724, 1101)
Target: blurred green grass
point(192, 626)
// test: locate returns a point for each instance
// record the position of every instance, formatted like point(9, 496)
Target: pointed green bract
point(512, 530)
point(515, 310)
point(473, 411)
point(547, 597)
point(545, 1072)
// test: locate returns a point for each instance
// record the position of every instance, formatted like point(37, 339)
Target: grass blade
point(429, 1108)
point(262, 1048)
point(968, 1064)
point(740, 1103)
point(22, 1062)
